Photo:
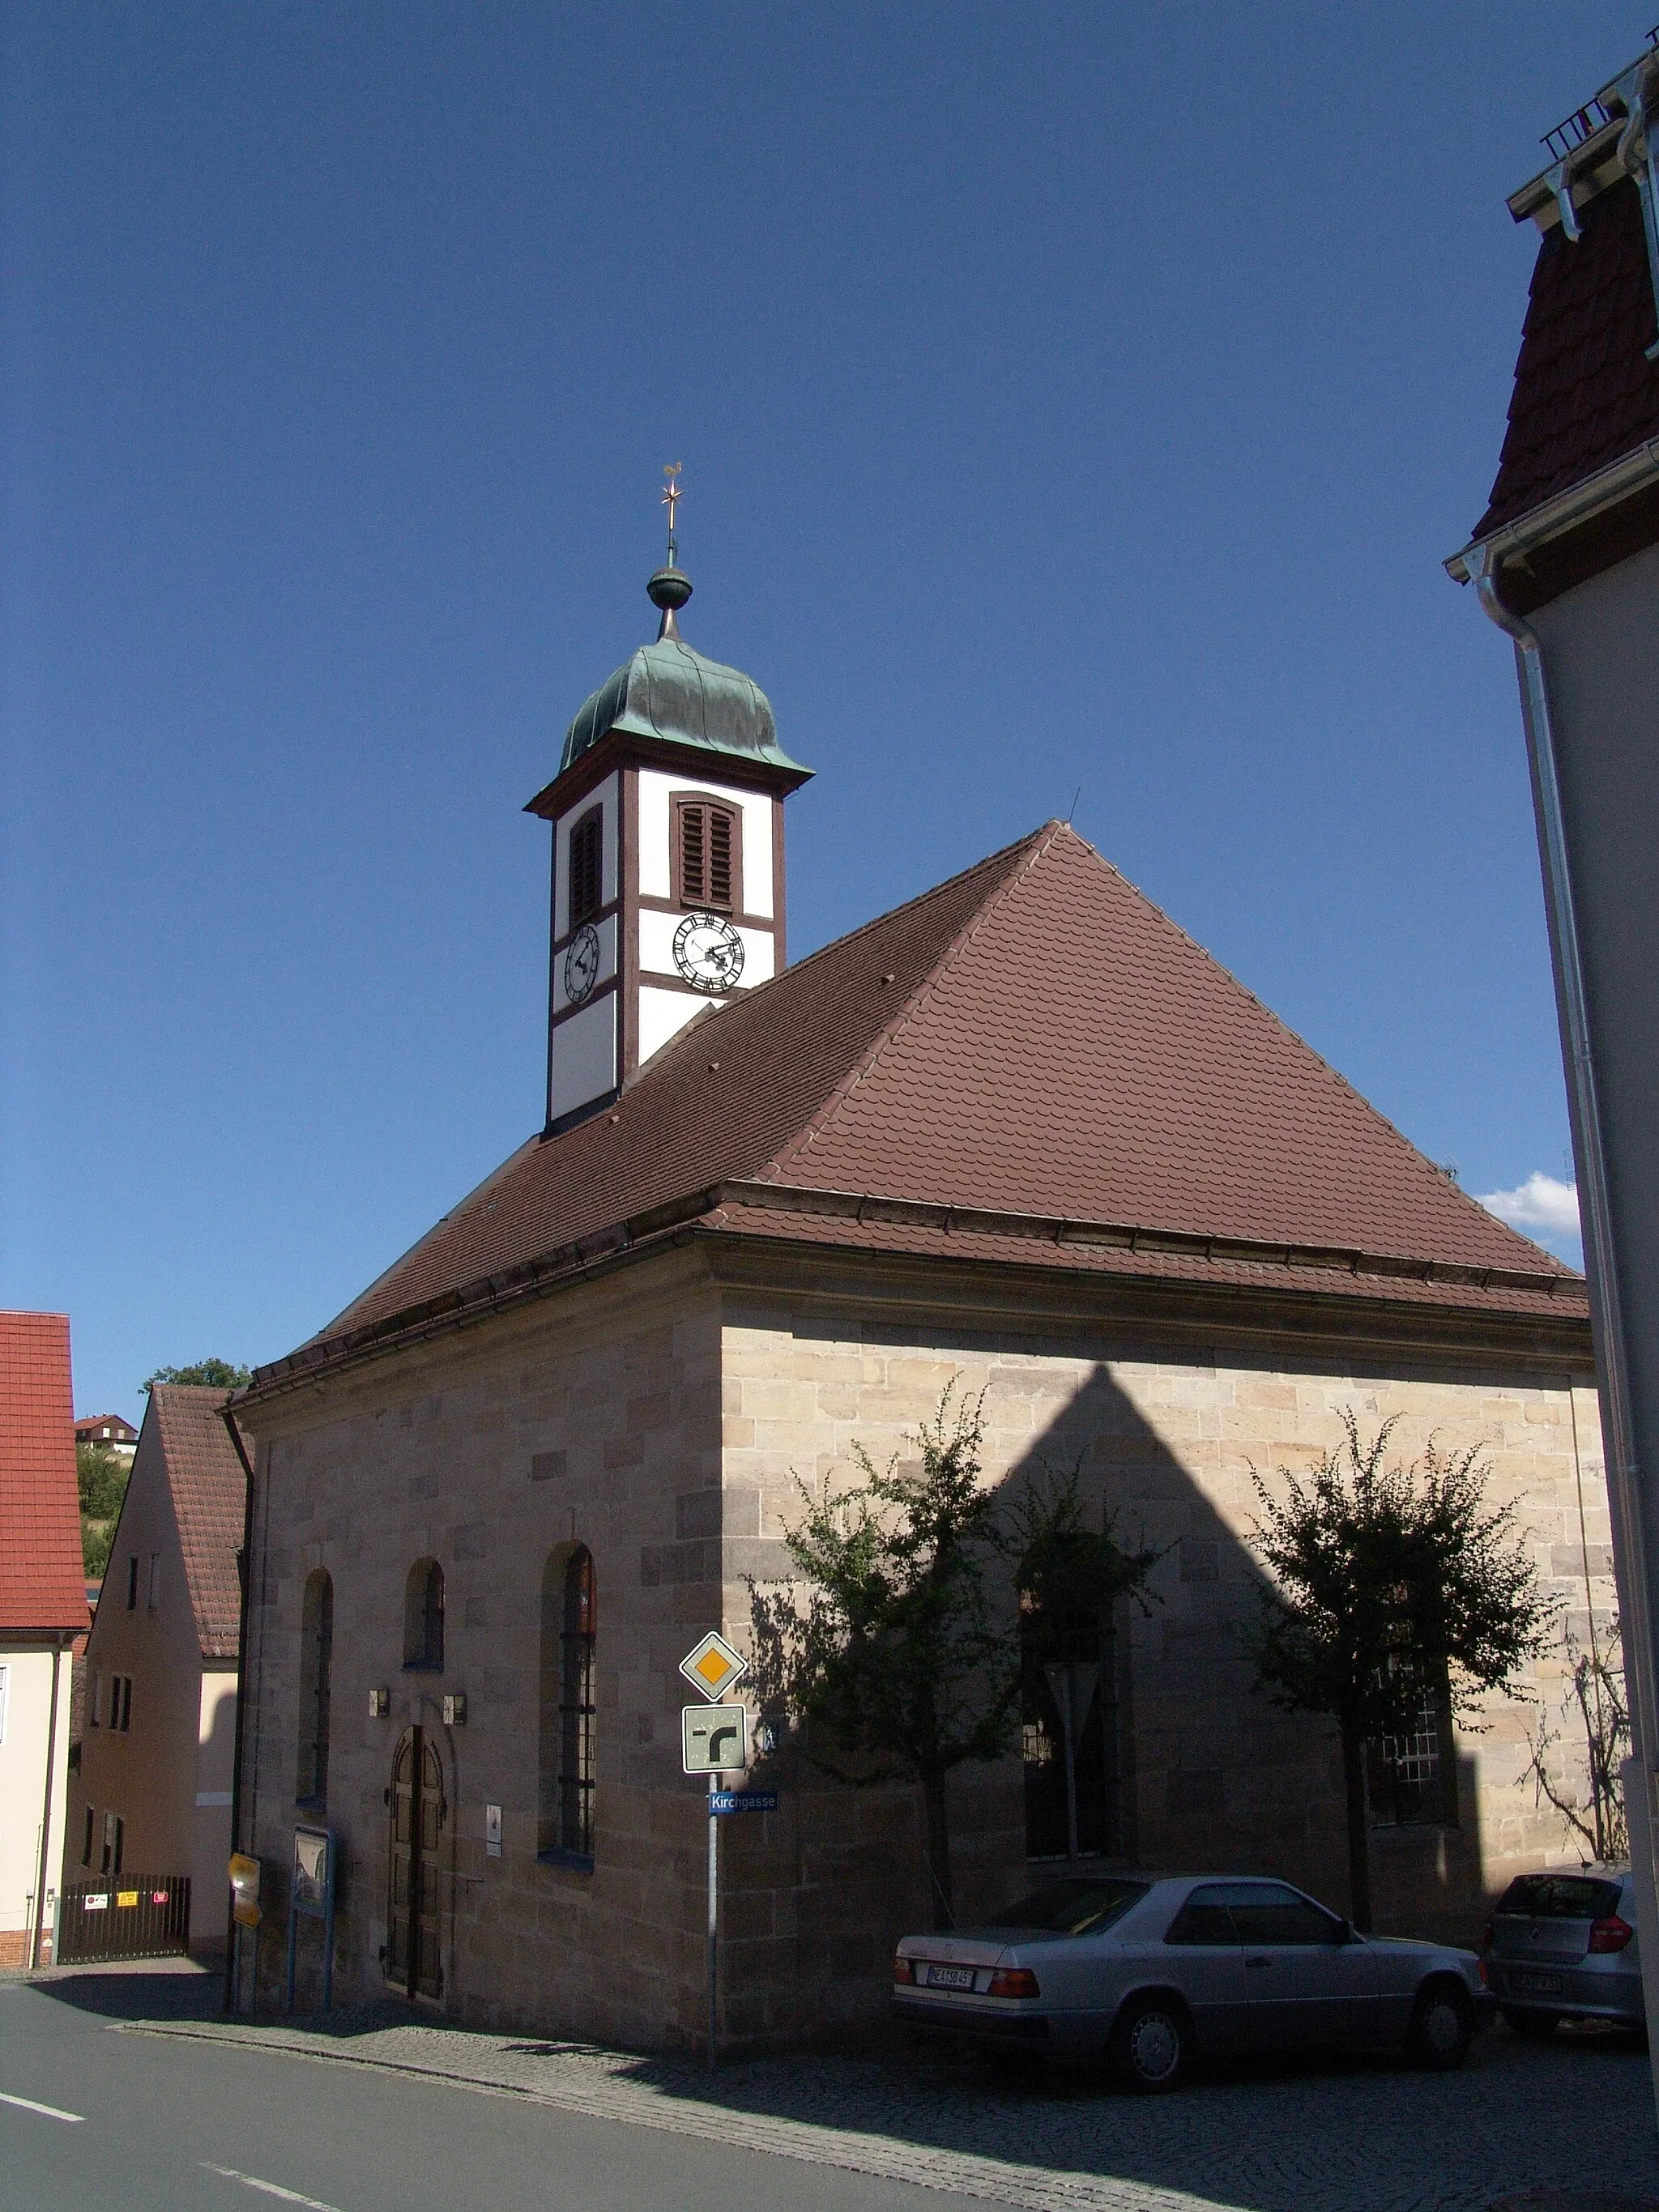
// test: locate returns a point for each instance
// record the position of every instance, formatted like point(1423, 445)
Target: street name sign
point(743, 1800)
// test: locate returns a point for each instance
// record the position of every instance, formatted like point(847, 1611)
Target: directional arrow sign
point(713, 1666)
point(713, 1738)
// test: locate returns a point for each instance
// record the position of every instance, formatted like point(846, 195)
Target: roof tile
point(1033, 1037)
point(42, 1579)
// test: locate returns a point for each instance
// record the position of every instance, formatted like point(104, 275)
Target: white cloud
point(1541, 1204)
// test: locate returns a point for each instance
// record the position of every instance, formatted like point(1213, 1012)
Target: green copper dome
point(666, 690)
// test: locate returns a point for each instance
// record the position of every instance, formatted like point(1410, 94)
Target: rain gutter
point(1608, 488)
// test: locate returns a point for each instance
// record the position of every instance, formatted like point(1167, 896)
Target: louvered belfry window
point(585, 886)
point(706, 852)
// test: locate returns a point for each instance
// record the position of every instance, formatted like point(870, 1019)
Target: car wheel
point(1151, 2046)
point(1443, 2027)
point(1536, 2026)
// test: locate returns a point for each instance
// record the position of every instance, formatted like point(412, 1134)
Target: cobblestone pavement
point(1366, 2137)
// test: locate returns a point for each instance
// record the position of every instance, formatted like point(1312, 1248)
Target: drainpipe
point(1641, 1773)
point(233, 1940)
point(45, 1815)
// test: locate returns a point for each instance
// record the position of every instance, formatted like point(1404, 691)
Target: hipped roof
point(1030, 1063)
point(43, 1585)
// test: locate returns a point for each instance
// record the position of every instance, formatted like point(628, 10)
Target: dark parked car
point(1563, 1946)
point(1150, 1971)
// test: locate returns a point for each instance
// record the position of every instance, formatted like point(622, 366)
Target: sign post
point(311, 1892)
point(712, 1667)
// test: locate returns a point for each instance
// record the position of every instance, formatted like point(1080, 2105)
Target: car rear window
point(1073, 1908)
point(1560, 1897)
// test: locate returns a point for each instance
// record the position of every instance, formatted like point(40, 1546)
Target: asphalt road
point(101, 2120)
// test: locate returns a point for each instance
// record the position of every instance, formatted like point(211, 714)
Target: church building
point(1021, 1135)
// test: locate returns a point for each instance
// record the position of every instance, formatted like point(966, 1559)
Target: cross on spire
point(670, 497)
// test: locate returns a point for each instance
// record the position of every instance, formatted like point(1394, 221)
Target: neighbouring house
point(150, 1793)
point(1566, 561)
point(108, 1432)
point(43, 1612)
point(1022, 1134)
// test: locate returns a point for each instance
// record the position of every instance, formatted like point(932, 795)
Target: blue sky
point(1071, 398)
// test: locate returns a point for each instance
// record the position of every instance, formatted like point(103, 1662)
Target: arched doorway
point(414, 1959)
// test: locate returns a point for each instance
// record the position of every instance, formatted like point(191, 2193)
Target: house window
point(95, 1697)
point(115, 1842)
point(423, 1616)
point(587, 885)
point(1068, 1662)
point(1411, 1779)
point(316, 1663)
point(86, 1839)
point(708, 854)
point(569, 1601)
point(132, 1582)
point(120, 1702)
point(154, 1579)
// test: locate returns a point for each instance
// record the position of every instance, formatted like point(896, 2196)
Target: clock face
point(708, 952)
point(581, 963)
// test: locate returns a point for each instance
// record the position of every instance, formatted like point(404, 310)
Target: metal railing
point(123, 1916)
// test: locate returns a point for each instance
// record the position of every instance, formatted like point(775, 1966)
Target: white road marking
point(270, 2188)
point(51, 2111)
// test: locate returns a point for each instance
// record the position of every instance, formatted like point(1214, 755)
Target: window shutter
point(693, 876)
point(585, 841)
point(720, 857)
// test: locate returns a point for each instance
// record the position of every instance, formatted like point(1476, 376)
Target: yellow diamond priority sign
point(713, 1666)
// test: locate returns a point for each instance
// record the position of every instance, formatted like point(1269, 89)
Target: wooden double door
point(414, 1917)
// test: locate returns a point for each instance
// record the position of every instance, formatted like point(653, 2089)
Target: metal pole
point(713, 1916)
point(1071, 1763)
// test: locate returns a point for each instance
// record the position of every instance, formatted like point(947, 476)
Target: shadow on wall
point(1211, 1775)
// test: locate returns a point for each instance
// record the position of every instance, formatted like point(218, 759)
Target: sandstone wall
point(1216, 1777)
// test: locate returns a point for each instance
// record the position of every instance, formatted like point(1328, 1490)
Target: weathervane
point(669, 588)
point(669, 500)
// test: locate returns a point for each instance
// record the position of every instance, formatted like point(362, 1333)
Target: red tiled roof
point(122, 1430)
point(42, 1579)
point(1033, 1038)
point(210, 1495)
point(1585, 394)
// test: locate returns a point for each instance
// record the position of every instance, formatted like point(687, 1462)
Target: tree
point(902, 1666)
point(1594, 1706)
point(907, 1660)
point(205, 1374)
point(1389, 1582)
point(101, 1478)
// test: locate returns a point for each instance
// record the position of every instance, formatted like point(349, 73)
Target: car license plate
point(1537, 1985)
point(949, 1977)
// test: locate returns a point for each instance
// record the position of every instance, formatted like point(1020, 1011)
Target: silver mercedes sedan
point(1152, 1972)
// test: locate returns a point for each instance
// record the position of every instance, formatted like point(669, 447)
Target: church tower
point(668, 886)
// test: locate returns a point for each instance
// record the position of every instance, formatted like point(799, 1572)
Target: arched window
point(1069, 1705)
point(423, 1616)
point(316, 1663)
point(565, 1794)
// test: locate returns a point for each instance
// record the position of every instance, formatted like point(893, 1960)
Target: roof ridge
point(1035, 843)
